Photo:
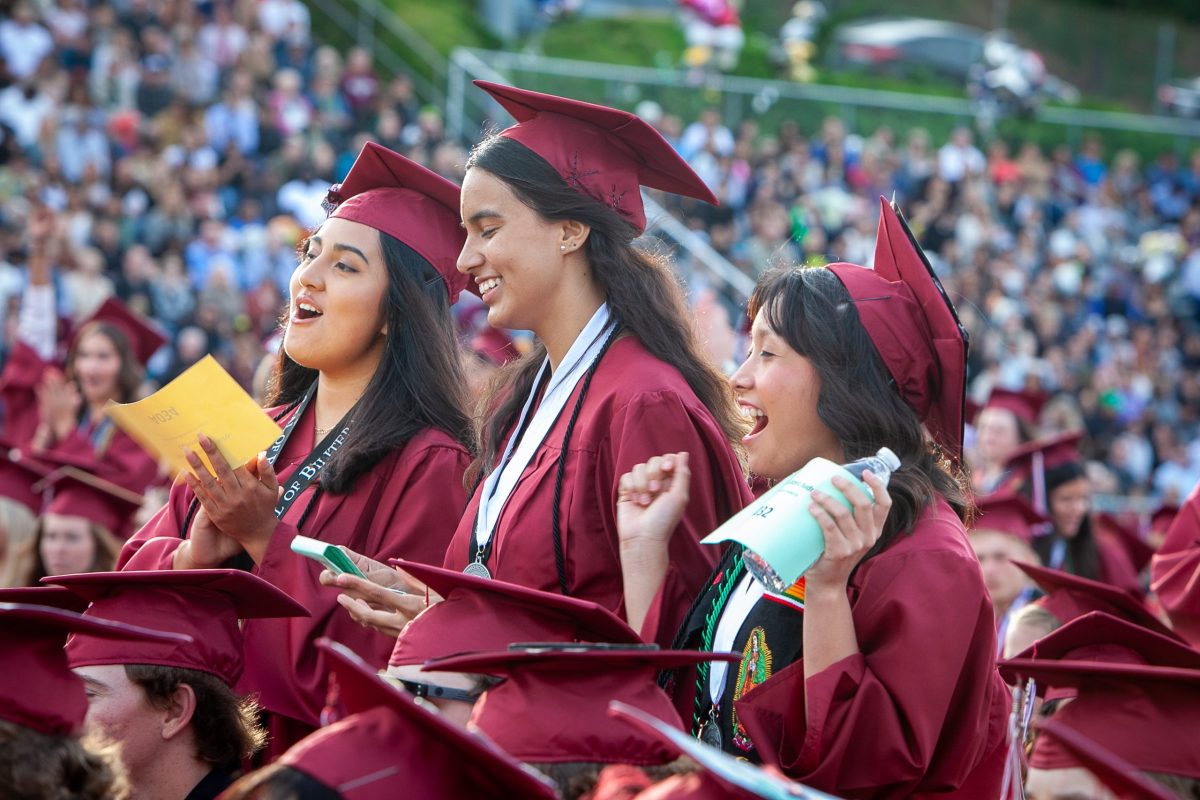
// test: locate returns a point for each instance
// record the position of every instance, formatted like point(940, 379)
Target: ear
point(574, 234)
point(179, 712)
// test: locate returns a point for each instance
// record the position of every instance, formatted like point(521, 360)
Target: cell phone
point(329, 555)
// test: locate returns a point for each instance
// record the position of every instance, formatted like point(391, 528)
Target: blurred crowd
point(184, 148)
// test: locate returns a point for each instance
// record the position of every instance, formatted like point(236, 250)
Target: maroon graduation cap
point(206, 604)
point(1069, 597)
point(1026, 406)
point(914, 327)
point(603, 152)
point(145, 337)
point(397, 196)
point(481, 614)
point(1010, 513)
point(20, 476)
point(80, 492)
point(1062, 745)
point(552, 706)
point(389, 746)
point(39, 691)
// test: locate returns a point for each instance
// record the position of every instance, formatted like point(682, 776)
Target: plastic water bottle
point(781, 538)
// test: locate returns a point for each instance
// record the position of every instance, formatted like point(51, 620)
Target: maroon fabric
point(406, 505)
point(1061, 746)
point(637, 407)
point(22, 373)
point(19, 473)
point(390, 747)
point(39, 691)
point(145, 337)
point(1137, 550)
point(1175, 570)
point(1138, 692)
point(53, 596)
point(1069, 597)
point(552, 706)
point(920, 711)
point(913, 326)
point(1008, 512)
point(605, 153)
point(206, 604)
point(1055, 451)
point(392, 194)
point(480, 614)
point(1025, 405)
point(85, 494)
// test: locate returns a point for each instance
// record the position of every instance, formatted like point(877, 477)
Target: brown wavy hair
point(129, 377)
point(811, 309)
point(643, 292)
point(38, 766)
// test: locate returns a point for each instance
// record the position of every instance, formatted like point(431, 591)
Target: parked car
point(1181, 97)
point(906, 45)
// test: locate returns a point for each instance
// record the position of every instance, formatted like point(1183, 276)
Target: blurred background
point(1046, 153)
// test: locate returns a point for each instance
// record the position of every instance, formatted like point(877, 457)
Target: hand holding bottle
point(849, 535)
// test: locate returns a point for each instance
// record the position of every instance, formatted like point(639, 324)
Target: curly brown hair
point(226, 727)
point(37, 766)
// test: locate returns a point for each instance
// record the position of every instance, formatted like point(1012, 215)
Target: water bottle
point(780, 537)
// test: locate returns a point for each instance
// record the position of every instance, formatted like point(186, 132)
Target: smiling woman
point(368, 390)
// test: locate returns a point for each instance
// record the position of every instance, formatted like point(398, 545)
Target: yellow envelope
point(204, 399)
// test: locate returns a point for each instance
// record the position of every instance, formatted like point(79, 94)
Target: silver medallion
point(478, 569)
point(710, 731)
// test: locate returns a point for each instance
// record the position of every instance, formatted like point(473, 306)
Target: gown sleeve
point(654, 424)
point(18, 385)
point(916, 710)
point(1175, 571)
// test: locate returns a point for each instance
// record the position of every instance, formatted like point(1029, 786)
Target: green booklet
point(330, 555)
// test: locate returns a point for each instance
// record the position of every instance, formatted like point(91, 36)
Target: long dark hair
point(1082, 551)
point(418, 383)
point(812, 311)
point(643, 293)
point(129, 376)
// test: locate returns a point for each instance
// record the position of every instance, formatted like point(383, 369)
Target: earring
point(562, 247)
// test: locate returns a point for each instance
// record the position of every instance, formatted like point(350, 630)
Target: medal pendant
point(477, 569)
point(710, 733)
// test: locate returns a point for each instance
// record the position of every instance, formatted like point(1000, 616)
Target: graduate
point(181, 729)
point(1003, 533)
point(374, 445)
point(874, 675)
point(1175, 570)
point(1051, 473)
point(20, 508)
point(384, 745)
point(1133, 692)
point(61, 412)
point(1007, 420)
point(43, 704)
point(551, 207)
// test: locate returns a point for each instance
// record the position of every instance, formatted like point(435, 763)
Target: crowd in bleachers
point(184, 148)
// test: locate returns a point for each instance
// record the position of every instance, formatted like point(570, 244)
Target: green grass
point(445, 24)
point(643, 41)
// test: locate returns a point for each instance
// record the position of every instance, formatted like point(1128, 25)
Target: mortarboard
point(1069, 597)
point(388, 741)
point(397, 196)
point(39, 691)
point(481, 614)
point(1071, 748)
point(605, 153)
point(1025, 405)
point(20, 476)
point(52, 596)
point(1010, 513)
point(1136, 693)
point(1100, 645)
point(914, 327)
point(495, 346)
point(1044, 464)
point(552, 706)
point(81, 493)
point(1161, 519)
point(144, 336)
point(204, 603)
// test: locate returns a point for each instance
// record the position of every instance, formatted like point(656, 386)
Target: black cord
point(556, 527)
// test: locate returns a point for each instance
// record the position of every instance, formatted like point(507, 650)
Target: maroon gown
point(920, 710)
point(406, 506)
point(637, 407)
point(1175, 571)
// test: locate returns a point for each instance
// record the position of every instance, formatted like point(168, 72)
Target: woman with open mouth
point(368, 391)
point(874, 674)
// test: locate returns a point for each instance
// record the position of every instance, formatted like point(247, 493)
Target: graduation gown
point(636, 407)
point(1175, 571)
point(406, 506)
point(1114, 566)
point(919, 710)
